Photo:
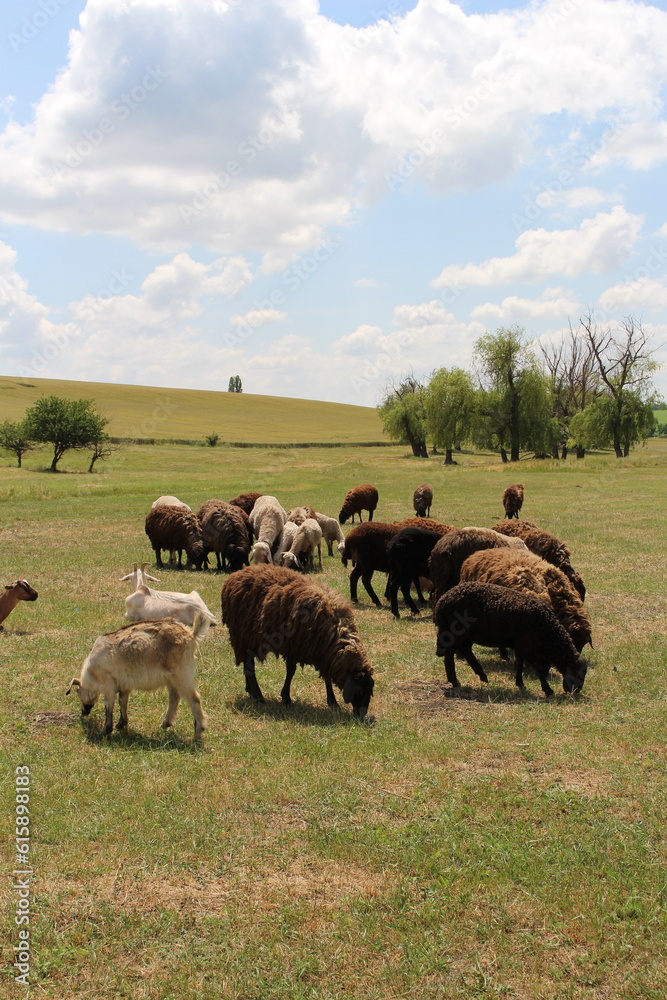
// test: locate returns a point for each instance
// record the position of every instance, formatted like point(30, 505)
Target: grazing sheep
point(489, 615)
point(299, 514)
point(513, 500)
point(175, 529)
point(357, 499)
point(422, 500)
point(169, 501)
point(331, 532)
point(408, 553)
point(285, 541)
point(224, 532)
point(268, 609)
point(529, 573)
point(20, 590)
point(545, 545)
point(301, 553)
point(454, 548)
point(146, 604)
point(366, 548)
point(246, 501)
point(267, 519)
point(143, 656)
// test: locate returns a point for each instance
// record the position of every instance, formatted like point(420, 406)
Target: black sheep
point(407, 556)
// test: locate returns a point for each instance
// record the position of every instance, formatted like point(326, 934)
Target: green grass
point(192, 414)
point(477, 844)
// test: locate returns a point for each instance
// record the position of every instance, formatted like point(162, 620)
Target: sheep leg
point(330, 547)
point(450, 669)
point(354, 577)
point(504, 654)
point(109, 699)
point(518, 679)
point(194, 701)
point(290, 670)
point(366, 580)
point(331, 697)
point(405, 590)
point(170, 717)
point(158, 558)
point(543, 672)
point(391, 592)
point(122, 701)
point(319, 554)
point(416, 584)
point(251, 685)
point(370, 515)
point(474, 663)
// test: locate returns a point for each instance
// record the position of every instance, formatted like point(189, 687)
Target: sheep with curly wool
point(451, 551)
point(513, 500)
point(224, 532)
point(359, 498)
point(299, 514)
point(545, 545)
point(301, 553)
point(422, 499)
point(268, 609)
point(529, 573)
point(267, 519)
point(331, 532)
point(408, 553)
point(175, 529)
point(490, 615)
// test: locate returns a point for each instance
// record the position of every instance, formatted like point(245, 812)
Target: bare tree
point(574, 377)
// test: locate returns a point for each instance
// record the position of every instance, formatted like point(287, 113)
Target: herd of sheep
point(512, 586)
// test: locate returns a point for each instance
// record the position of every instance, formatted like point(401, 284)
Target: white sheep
point(143, 656)
point(307, 538)
point(285, 541)
point(331, 532)
point(146, 604)
point(267, 519)
point(169, 501)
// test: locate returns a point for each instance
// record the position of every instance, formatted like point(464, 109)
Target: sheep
point(407, 556)
point(366, 548)
point(546, 545)
point(143, 656)
point(268, 609)
point(19, 590)
point(285, 541)
point(513, 500)
point(331, 532)
point(224, 532)
point(175, 529)
point(453, 549)
point(422, 500)
point(528, 573)
point(490, 615)
point(299, 514)
point(146, 604)
point(246, 501)
point(169, 501)
point(267, 519)
point(357, 499)
point(307, 538)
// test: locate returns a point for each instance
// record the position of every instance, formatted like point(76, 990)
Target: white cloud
point(641, 145)
point(553, 303)
point(258, 317)
point(599, 245)
point(366, 283)
point(644, 293)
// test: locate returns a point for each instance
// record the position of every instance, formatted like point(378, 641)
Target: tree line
point(592, 389)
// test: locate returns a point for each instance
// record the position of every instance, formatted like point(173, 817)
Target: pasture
point(474, 844)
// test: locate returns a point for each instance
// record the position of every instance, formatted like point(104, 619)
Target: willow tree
point(403, 414)
point(451, 409)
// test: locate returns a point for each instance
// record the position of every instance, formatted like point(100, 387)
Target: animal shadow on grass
point(299, 713)
point(501, 688)
point(129, 739)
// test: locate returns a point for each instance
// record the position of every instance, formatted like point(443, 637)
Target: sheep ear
point(76, 683)
point(348, 690)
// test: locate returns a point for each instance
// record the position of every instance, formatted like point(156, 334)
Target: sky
point(323, 197)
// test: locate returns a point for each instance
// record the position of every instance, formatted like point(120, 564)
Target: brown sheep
point(357, 499)
point(527, 572)
point(225, 532)
point(454, 548)
point(513, 500)
point(245, 501)
point(422, 500)
point(545, 545)
point(268, 609)
point(175, 529)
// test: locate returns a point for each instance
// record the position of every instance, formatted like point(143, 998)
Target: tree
point(596, 426)
point(15, 437)
point(625, 368)
point(102, 448)
point(235, 384)
point(516, 401)
point(451, 409)
point(574, 383)
point(403, 414)
point(64, 423)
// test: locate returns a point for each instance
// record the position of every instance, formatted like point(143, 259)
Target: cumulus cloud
point(643, 293)
point(259, 126)
point(552, 303)
point(599, 245)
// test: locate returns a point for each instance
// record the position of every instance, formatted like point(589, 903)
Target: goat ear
point(148, 575)
point(76, 683)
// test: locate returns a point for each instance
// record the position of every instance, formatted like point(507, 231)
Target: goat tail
point(200, 626)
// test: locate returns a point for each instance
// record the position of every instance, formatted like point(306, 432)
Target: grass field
point(192, 414)
point(474, 844)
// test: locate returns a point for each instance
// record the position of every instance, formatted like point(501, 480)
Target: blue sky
point(321, 197)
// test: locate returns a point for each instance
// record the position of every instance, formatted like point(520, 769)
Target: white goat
point(267, 519)
point(307, 538)
point(331, 532)
point(143, 656)
point(146, 604)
